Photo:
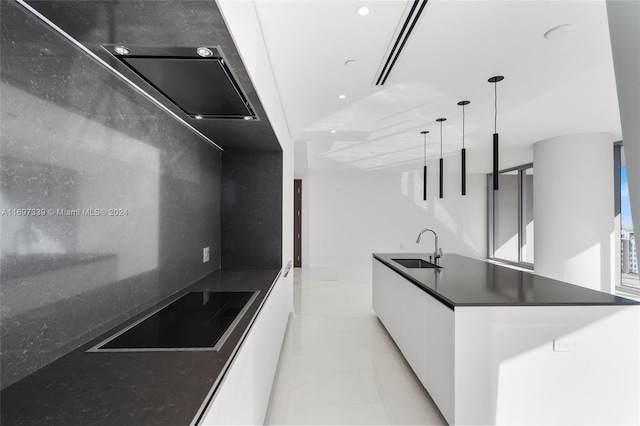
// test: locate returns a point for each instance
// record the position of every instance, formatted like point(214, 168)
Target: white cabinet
point(423, 329)
point(439, 379)
point(243, 396)
point(387, 299)
point(415, 328)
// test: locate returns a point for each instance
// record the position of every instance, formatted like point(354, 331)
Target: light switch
point(205, 255)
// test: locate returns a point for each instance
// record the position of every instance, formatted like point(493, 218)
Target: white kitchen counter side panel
point(507, 371)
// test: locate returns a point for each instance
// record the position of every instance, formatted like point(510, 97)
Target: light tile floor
point(338, 364)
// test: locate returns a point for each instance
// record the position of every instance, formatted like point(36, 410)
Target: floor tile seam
point(289, 398)
point(328, 405)
point(301, 314)
point(386, 404)
point(337, 404)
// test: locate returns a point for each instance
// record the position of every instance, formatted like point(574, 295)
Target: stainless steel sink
point(415, 263)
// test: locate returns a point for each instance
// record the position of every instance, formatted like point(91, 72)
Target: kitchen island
point(493, 345)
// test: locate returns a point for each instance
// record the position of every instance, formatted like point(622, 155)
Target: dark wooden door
point(297, 223)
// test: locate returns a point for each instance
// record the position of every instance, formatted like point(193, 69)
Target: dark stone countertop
point(135, 388)
point(463, 281)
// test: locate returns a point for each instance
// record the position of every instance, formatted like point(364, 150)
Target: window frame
point(617, 193)
point(491, 217)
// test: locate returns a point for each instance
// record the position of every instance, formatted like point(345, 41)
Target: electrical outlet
point(561, 345)
point(401, 245)
point(205, 255)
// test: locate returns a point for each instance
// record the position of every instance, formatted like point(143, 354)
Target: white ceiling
point(551, 87)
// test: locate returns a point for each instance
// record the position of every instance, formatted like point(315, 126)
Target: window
point(628, 254)
point(511, 216)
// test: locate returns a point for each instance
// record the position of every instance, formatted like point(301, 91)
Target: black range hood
point(195, 79)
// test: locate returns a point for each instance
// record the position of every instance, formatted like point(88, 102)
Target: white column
point(574, 211)
point(624, 29)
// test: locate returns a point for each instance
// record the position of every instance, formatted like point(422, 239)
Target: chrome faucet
point(437, 254)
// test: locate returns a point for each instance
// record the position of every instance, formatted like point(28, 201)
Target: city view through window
point(629, 256)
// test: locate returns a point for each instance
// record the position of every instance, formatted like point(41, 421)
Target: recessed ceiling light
point(121, 50)
point(349, 62)
point(363, 11)
point(342, 96)
point(559, 31)
point(333, 131)
point(204, 52)
point(198, 117)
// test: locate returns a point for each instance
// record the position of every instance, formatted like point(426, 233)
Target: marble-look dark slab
point(137, 388)
point(463, 281)
point(15, 266)
point(74, 139)
point(251, 209)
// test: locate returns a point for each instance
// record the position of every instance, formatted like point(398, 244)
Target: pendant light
point(495, 81)
point(440, 120)
point(424, 170)
point(464, 152)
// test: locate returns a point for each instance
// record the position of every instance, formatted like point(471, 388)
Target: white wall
point(573, 210)
point(348, 216)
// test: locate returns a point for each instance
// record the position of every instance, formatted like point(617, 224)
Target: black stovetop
point(197, 320)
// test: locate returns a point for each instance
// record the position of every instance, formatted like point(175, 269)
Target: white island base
point(516, 364)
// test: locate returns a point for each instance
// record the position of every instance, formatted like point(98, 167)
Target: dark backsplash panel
point(123, 198)
point(251, 209)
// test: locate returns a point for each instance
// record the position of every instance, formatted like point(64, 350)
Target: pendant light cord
point(441, 139)
point(463, 126)
point(425, 150)
point(495, 108)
